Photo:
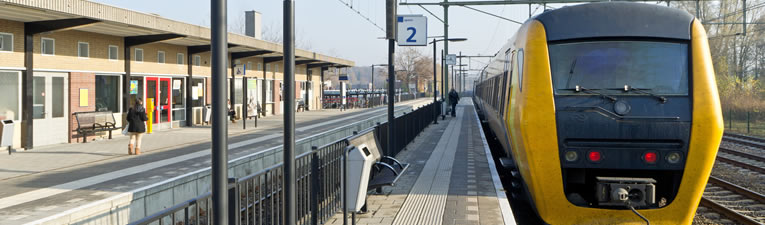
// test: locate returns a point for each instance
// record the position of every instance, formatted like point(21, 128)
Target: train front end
point(629, 91)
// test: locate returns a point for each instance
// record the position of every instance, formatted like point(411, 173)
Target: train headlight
point(674, 157)
point(571, 156)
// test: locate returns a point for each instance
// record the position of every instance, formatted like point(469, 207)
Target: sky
point(332, 28)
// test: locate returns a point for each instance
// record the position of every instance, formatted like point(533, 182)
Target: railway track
point(733, 202)
point(755, 163)
point(744, 140)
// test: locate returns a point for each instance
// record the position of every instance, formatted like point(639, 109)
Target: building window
point(276, 67)
point(270, 91)
point(83, 49)
point(180, 58)
point(179, 99)
point(197, 92)
point(260, 66)
point(6, 42)
point(10, 103)
point(268, 68)
point(139, 55)
point(113, 52)
point(48, 46)
point(249, 66)
point(197, 60)
point(160, 57)
point(107, 93)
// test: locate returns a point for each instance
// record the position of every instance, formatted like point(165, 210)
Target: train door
point(510, 65)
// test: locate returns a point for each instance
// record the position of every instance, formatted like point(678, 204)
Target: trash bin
point(6, 133)
point(360, 161)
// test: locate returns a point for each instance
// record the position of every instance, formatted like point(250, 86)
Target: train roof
point(616, 19)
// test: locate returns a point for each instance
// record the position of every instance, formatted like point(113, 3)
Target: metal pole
point(744, 17)
point(220, 126)
point(698, 10)
point(460, 73)
point(435, 88)
point(245, 98)
point(373, 76)
point(289, 112)
point(391, 93)
point(446, 47)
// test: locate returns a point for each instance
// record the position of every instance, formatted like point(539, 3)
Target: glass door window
point(49, 108)
point(38, 101)
point(151, 95)
point(158, 90)
point(164, 97)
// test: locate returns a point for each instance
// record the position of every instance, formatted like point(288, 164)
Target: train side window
point(520, 70)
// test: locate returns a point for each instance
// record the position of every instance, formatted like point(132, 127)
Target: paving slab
point(452, 179)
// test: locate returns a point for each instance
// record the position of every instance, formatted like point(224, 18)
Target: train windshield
point(661, 67)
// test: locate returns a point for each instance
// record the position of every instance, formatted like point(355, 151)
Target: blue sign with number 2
point(412, 30)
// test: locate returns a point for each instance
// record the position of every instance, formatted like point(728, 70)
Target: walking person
point(231, 112)
point(453, 99)
point(136, 119)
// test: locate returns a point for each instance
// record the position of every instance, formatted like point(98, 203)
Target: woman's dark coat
point(136, 119)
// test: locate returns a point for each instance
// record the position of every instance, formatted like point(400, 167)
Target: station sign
point(412, 30)
point(451, 59)
point(343, 77)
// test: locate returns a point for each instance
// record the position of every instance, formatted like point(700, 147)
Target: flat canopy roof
point(121, 22)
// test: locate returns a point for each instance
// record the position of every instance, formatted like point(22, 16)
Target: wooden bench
point(92, 122)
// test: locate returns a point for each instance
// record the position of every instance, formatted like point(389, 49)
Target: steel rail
point(744, 140)
point(743, 154)
point(727, 212)
point(742, 136)
point(741, 164)
point(737, 189)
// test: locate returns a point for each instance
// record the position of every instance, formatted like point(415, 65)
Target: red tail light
point(594, 156)
point(650, 157)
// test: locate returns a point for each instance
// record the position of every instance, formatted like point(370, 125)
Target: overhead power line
point(362, 15)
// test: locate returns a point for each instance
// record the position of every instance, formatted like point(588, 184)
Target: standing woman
point(136, 119)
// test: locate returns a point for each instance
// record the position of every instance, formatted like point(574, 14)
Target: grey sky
point(330, 27)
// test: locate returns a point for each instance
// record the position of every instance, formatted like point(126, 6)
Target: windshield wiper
point(628, 88)
point(571, 71)
point(591, 91)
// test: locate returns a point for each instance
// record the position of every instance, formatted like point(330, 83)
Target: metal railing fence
point(407, 126)
point(319, 181)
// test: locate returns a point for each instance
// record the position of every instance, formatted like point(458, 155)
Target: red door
point(159, 90)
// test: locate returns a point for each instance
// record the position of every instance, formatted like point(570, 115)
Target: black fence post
point(730, 118)
point(315, 180)
point(747, 121)
point(233, 202)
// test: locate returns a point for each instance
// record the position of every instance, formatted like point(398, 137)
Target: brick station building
point(86, 56)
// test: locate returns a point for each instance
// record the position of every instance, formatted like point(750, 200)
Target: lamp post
point(373, 74)
point(455, 77)
point(435, 88)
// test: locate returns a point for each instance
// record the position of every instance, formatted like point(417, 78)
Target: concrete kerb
point(145, 201)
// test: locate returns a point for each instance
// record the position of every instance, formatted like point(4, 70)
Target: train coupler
point(621, 191)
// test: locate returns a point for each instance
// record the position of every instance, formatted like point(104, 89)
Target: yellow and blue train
point(606, 110)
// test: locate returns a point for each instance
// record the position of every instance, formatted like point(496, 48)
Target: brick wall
point(15, 58)
point(76, 82)
point(65, 52)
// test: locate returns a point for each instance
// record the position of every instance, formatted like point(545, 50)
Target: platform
point(452, 179)
point(51, 180)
